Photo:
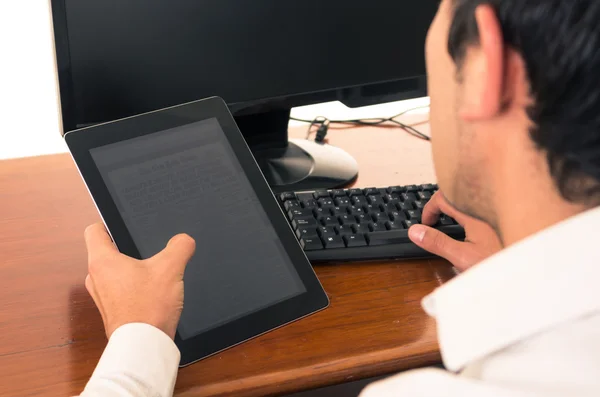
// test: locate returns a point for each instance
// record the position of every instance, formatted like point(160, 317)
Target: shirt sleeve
point(139, 361)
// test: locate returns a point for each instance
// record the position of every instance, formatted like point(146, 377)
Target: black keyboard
point(361, 224)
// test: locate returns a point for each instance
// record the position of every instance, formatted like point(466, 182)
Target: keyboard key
point(298, 223)
point(370, 208)
point(307, 232)
point(311, 244)
point(415, 220)
point(428, 186)
point(395, 189)
point(363, 218)
point(326, 203)
point(347, 219)
point(419, 214)
point(344, 230)
point(389, 198)
point(394, 225)
point(355, 241)
point(397, 216)
point(309, 203)
point(334, 242)
point(408, 224)
point(342, 201)
point(287, 196)
point(375, 200)
point(355, 210)
point(355, 192)
point(389, 237)
point(341, 210)
point(408, 197)
point(326, 231)
point(338, 193)
point(377, 227)
point(414, 214)
point(359, 200)
point(321, 194)
point(389, 207)
point(419, 204)
point(304, 196)
point(291, 204)
point(329, 221)
point(321, 212)
point(299, 214)
point(372, 192)
point(425, 195)
point(380, 217)
point(361, 229)
point(411, 189)
point(406, 206)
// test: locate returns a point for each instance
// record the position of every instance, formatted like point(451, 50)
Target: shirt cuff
point(144, 353)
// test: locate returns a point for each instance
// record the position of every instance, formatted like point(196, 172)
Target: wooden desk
point(51, 335)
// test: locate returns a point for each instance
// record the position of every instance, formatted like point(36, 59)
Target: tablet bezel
point(210, 342)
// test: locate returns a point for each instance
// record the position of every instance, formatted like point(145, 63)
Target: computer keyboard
point(361, 224)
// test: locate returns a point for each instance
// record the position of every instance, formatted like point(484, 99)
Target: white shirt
point(525, 322)
point(139, 361)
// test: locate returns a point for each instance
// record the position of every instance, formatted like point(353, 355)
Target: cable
point(410, 110)
point(318, 119)
point(378, 122)
point(324, 123)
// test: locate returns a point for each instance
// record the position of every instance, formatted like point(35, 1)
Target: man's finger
point(98, 241)
point(432, 211)
point(177, 253)
point(440, 205)
point(436, 242)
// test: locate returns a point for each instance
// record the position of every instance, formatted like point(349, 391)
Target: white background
point(29, 113)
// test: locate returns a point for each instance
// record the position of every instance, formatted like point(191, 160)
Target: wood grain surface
point(51, 334)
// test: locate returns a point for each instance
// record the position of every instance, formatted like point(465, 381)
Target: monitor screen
point(128, 57)
point(188, 180)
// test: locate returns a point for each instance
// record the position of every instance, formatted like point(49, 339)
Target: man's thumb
point(436, 242)
point(178, 252)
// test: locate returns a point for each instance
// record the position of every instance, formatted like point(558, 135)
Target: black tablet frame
point(210, 342)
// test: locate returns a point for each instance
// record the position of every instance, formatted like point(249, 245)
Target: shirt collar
point(544, 280)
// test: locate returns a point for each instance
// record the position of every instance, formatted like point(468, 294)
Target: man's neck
point(531, 212)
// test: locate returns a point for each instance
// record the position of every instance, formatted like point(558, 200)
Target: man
point(515, 117)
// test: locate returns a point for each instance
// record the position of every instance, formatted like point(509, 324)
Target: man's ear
point(483, 69)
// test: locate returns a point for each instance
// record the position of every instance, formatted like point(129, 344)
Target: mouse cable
point(323, 124)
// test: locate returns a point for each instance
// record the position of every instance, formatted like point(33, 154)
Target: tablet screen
point(188, 180)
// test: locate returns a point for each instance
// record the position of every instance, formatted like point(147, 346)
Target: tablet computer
point(187, 169)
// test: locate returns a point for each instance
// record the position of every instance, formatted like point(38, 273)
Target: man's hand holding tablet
point(128, 290)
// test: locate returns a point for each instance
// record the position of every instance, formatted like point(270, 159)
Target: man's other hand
point(481, 240)
point(128, 290)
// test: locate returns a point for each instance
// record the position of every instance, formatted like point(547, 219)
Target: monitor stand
point(294, 164)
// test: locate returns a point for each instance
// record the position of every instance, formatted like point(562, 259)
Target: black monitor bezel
point(352, 96)
point(81, 141)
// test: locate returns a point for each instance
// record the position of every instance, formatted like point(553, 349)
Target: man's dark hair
point(559, 41)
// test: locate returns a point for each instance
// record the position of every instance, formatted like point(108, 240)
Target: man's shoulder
point(430, 382)
point(565, 354)
point(564, 350)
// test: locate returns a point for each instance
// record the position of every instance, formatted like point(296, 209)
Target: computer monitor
point(119, 58)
